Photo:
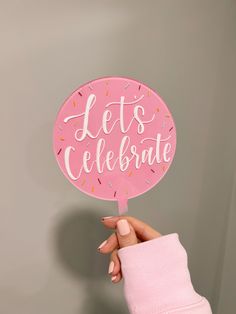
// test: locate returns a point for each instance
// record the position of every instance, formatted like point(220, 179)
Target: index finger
point(143, 230)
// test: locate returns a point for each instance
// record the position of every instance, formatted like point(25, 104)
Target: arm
point(154, 268)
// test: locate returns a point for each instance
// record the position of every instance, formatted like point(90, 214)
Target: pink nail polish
point(113, 278)
point(111, 267)
point(107, 217)
point(123, 227)
point(102, 244)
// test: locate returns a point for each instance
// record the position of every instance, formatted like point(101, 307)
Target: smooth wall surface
point(49, 231)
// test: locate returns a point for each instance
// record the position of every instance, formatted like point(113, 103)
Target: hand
point(128, 231)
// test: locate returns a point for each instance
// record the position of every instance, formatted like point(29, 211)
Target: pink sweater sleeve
point(157, 279)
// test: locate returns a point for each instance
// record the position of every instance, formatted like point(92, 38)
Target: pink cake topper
point(114, 138)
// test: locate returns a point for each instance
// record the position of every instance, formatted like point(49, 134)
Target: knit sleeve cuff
point(156, 276)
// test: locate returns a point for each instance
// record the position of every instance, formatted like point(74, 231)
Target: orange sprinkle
point(130, 174)
point(167, 115)
point(83, 182)
point(149, 93)
point(62, 139)
point(158, 109)
point(107, 93)
point(92, 189)
point(163, 168)
point(74, 103)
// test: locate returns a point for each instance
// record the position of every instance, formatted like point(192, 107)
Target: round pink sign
point(114, 138)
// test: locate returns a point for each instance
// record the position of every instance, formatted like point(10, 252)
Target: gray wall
point(49, 231)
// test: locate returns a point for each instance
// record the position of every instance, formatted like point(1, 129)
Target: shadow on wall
point(78, 232)
point(76, 240)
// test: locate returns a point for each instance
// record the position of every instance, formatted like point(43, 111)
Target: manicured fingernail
point(111, 267)
point(123, 227)
point(113, 278)
point(107, 217)
point(102, 244)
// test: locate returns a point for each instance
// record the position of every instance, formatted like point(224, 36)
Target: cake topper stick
point(122, 206)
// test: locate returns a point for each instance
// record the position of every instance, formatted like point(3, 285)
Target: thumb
point(125, 233)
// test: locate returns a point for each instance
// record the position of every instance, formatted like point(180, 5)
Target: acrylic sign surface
point(114, 138)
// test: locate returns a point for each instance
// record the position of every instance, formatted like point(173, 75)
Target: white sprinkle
point(110, 185)
point(147, 181)
point(90, 86)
